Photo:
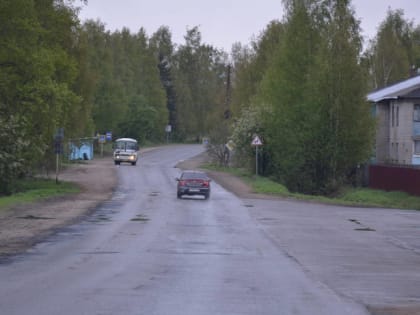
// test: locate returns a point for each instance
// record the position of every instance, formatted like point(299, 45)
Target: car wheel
point(133, 163)
point(179, 195)
point(207, 196)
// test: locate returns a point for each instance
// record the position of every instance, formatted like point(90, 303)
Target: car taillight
point(206, 183)
point(182, 182)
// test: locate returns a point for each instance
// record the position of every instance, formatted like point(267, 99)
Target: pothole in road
point(34, 217)
point(103, 218)
point(100, 253)
point(365, 229)
point(100, 218)
point(248, 206)
point(140, 218)
point(266, 219)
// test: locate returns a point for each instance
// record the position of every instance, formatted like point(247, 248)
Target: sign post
point(256, 142)
point(58, 149)
point(108, 136)
point(102, 140)
point(168, 130)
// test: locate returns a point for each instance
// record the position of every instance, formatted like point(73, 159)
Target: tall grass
point(363, 197)
point(30, 190)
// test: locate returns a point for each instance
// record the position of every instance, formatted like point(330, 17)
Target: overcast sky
point(222, 22)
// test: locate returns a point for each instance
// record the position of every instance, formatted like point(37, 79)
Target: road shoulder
point(24, 225)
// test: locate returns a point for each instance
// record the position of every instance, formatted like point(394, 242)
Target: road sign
point(109, 136)
point(256, 141)
point(102, 139)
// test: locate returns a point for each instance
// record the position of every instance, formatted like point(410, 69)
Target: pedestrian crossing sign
point(256, 141)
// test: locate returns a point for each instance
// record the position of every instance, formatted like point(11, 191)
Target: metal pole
point(256, 160)
point(56, 168)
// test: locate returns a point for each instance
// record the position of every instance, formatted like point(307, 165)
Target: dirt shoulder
point(24, 225)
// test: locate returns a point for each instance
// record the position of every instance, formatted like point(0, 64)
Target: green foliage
point(361, 197)
point(128, 94)
point(345, 128)
point(200, 84)
point(13, 147)
point(382, 198)
point(56, 73)
point(300, 86)
point(38, 72)
point(351, 196)
point(315, 122)
point(393, 52)
point(30, 190)
point(161, 44)
point(140, 121)
point(264, 185)
point(245, 127)
point(251, 64)
point(286, 87)
point(216, 148)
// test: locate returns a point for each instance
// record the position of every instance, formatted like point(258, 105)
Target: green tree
point(344, 128)
point(251, 63)
point(14, 145)
point(200, 81)
point(141, 119)
point(320, 128)
point(38, 71)
point(392, 52)
point(124, 69)
point(107, 98)
point(161, 44)
point(284, 85)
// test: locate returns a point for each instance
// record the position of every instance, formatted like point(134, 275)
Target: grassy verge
point(350, 196)
point(31, 190)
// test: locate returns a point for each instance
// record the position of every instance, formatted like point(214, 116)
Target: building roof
point(413, 94)
point(407, 88)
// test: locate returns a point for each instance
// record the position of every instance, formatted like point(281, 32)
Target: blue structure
point(81, 149)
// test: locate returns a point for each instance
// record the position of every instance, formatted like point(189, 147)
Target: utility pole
point(227, 114)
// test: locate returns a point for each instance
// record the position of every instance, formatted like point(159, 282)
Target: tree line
point(300, 85)
point(57, 73)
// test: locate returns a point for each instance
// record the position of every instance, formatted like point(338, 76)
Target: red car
point(193, 183)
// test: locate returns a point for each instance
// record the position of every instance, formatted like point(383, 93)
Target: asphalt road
point(146, 252)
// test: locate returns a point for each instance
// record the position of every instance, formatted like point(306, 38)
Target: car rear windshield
point(194, 175)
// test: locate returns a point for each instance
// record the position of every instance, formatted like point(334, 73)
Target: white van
point(125, 150)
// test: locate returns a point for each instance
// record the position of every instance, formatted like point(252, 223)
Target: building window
point(398, 116)
point(417, 147)
point(417, 112)
point(392, 115)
